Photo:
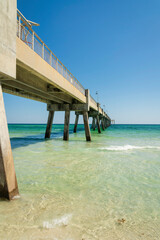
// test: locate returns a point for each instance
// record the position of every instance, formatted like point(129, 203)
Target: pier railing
point(27, 35)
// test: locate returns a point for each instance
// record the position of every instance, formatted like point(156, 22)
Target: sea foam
point(62, 221)
point(128, 147)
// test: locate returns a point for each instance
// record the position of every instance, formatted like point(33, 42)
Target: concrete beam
point(31, 80)
point(31, 61)
point(30, 90)
point(21, 93)
point(65, 107)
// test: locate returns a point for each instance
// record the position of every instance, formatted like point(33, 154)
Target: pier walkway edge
point(28, 68)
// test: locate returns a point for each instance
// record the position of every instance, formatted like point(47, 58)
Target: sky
point(110, 46)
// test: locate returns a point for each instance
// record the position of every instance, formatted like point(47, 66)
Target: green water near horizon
point(105, 189)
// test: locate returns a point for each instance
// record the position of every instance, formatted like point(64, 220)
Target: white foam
point(127, 147)
point(16, 197)
point(62, 221)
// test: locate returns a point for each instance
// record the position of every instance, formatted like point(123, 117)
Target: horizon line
point(90, 123)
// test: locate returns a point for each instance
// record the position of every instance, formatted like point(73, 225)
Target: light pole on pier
point(97, 96)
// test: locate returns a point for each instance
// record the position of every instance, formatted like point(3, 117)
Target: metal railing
point(27, 35)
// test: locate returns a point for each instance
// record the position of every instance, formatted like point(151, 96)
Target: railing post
point(33, 40)
point(19, 27)
point(43, 50)
point(62, 70)
point(51, 58)
point(57, 65)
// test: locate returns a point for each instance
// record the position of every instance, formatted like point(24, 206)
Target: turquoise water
point(106, 189)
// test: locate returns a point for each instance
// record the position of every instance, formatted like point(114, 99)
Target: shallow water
point(106, 189)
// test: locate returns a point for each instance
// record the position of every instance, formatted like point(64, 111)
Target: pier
point(28, 68)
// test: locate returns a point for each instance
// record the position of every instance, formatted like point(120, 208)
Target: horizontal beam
point(29, 90)
point(53, 89)
point(31, 80)
point(92, 114)
point(67, 107)
point(21, 93)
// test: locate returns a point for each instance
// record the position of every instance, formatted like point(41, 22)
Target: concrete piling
point(76, 123)
point(8, 181)
point(86, 126)
point(102, 124)
point(49, 124)
point(98, 125)
point(94, 124)
point(66, 125)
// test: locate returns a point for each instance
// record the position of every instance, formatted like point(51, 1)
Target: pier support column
point(94, 124)
point(8, 181)
point(105, 123)
point(76, 123)
point(86, 126)
point(66, 126)
point(102, 123)
point(49, 124)
point(98, 125)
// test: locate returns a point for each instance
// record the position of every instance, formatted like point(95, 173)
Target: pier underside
point(28, 73)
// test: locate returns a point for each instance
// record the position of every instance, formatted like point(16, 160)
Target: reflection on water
point(106, 189)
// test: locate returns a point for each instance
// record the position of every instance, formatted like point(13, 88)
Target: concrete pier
point(76, 123)
point(86, 126)
point(30, 73)
point(94, 123)
point(8, 28)
point(8, 181)
point(66, 125)
point(102, 123)
point(49, 124)
point(98, 125)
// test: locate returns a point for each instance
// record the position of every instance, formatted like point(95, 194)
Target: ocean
point(107, 189)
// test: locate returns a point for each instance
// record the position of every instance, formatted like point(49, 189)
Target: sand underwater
point(77, 190)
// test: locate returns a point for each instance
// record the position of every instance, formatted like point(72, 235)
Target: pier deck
point(35, 72)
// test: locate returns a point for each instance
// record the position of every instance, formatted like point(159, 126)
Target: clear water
point(106, 189)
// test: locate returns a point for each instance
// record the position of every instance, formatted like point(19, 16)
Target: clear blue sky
point(111, 46)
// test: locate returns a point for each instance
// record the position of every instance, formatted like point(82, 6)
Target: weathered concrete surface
point(94, 124)
point(98, 125)
point(8, 28)
point(66, 126)
point(76, 123)
point(102, 124)
point(32, 62)
point(86, 126)
point(49, 124)
point(8, 181)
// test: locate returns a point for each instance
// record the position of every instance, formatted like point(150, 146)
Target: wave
point(128, 147)
point(62, 221)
